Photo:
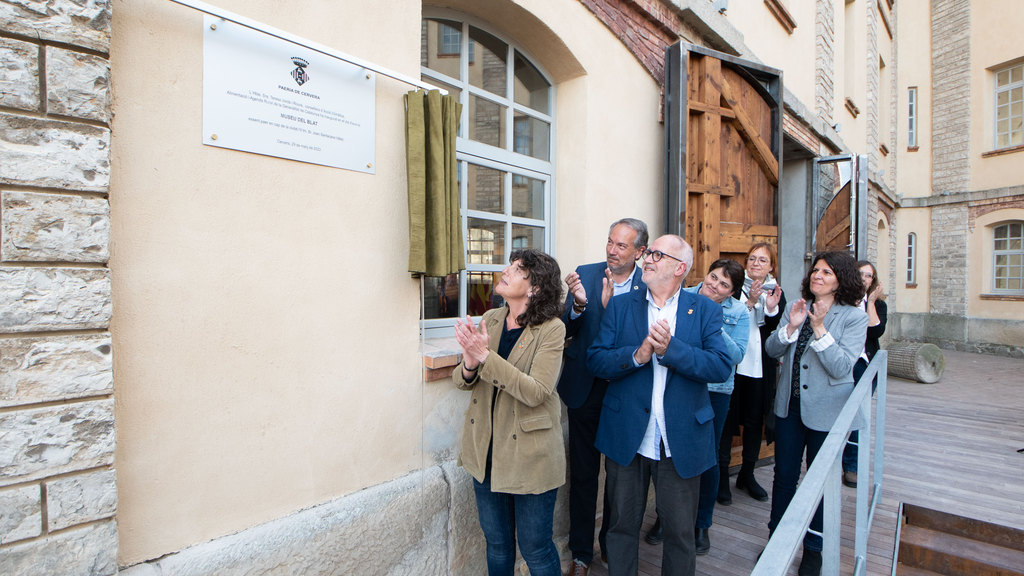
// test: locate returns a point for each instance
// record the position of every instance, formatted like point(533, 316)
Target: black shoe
point(654, 537)
point(810, 564)
point(849, 479)
point(745, 480)
point(724, 494)
point(702, 541)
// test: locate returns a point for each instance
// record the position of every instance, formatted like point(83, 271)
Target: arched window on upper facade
point(504, 151)
point(1008, 258)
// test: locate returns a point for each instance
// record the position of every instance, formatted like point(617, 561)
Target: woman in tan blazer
point(512, 438)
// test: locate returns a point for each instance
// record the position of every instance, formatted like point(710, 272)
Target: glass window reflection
point(441, 45)
point(485, 189)
point(486, 121)
point(487, 67)
point(531, 89)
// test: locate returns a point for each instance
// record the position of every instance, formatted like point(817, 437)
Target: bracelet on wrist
point(580, 306)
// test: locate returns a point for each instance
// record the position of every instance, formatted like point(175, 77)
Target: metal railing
point(823, 482)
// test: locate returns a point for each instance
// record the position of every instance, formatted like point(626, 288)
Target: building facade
point(246, 324)
point(961, 177)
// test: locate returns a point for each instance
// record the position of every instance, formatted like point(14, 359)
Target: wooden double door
point(724, 145)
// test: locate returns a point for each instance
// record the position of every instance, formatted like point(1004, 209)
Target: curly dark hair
point(546, 277)
point(735, 273)
point(850, 290)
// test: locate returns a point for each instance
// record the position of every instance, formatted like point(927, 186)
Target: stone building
point(961, 176)
point(246, 323)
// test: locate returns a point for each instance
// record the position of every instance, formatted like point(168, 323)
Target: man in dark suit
point(591, 287)
point(659, 349)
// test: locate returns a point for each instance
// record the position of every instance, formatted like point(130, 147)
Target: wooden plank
point(761, 151)
point(836, 230)
point(700, 187)
point(701, 108)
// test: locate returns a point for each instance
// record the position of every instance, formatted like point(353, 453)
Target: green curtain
point(435, 225)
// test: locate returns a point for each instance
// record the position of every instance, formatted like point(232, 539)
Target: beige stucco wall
point(980, 266)
point(995, 41)
point(915, 65)
point(265, 324)
point(918, 221)
point(769, 41)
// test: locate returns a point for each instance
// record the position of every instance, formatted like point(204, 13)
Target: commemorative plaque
point(268, 96)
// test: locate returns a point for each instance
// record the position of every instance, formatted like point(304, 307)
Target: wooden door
point(839, 185)
point(724, 142)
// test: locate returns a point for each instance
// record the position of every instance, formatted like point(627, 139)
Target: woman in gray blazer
point(819, 339)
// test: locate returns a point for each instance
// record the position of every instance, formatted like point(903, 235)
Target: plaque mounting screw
point(367, 76)
point(369, 165)
point(214, 137)
point(213, 26)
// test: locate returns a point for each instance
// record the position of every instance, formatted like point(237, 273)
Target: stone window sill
point(1004, 297)
point(440, 357)
point(914, 285)
point(912, 148)
point(778, 9)
point(1002, 151)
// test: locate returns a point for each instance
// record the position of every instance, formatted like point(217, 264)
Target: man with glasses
point(659, 349)
point(590, 288)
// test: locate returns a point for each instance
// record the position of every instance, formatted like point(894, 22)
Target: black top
point(871, 345)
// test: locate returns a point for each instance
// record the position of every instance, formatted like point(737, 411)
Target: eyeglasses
point(867, 275)
point(759, 260)
point(657, 255)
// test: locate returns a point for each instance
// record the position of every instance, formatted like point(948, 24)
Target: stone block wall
point(951, 95)
point(949, 260)
point(824, 59)
point(58, 492)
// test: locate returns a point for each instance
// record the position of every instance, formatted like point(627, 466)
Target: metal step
point(954, 555)
point(904, 570)
point(966, 527)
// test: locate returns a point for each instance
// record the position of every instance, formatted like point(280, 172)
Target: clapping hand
point(660, 335)
point(817, 314)
point(772, 302)
point(797, 315)
point(474, 342)
point(607, 287)
point(575, 285)
point(754, 294)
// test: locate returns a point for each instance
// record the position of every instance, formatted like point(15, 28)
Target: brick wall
point(646, 27)
point(949, 260)
point(951, 95)
point(824, 59)
point(57, 483)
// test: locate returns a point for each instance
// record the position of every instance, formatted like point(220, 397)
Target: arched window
point(912, 258)
point(504, 152)
point(1008, 258)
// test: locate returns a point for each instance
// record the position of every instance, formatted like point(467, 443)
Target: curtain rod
point(271, 31)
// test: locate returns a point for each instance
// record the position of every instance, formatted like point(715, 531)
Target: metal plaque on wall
point(269, 96)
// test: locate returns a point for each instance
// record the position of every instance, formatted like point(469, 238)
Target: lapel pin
point(690, 311)
point(636, 287)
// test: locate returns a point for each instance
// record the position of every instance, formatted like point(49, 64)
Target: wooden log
point(916, 361)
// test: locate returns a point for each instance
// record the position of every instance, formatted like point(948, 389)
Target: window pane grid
point(1008, 257)
point(504, 156)
point(1009, 116)
point(911, 258)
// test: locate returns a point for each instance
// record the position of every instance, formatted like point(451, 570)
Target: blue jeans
point(850, 451)
point(709, 479)
point(791, 439)
point(503, 517)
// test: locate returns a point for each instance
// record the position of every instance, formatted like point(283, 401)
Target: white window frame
point(912, 258)
point(995, 103)
point(912, 117)
point(504, 159)
point(1008, 252)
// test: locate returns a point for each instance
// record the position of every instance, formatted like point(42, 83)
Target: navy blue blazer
point(696, 355)
point(576, 381)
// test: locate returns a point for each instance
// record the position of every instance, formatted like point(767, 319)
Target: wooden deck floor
point(951, 446)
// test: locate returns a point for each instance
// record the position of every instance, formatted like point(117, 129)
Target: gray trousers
point(677, 500)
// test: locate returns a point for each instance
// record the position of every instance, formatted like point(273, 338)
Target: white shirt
point(650, 447)
point(750, 366)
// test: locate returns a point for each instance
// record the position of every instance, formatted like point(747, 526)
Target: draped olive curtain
point(435, 226)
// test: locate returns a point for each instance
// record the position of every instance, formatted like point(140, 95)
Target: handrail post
point(864, 478)
point(883, 374)
point(832, 501)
